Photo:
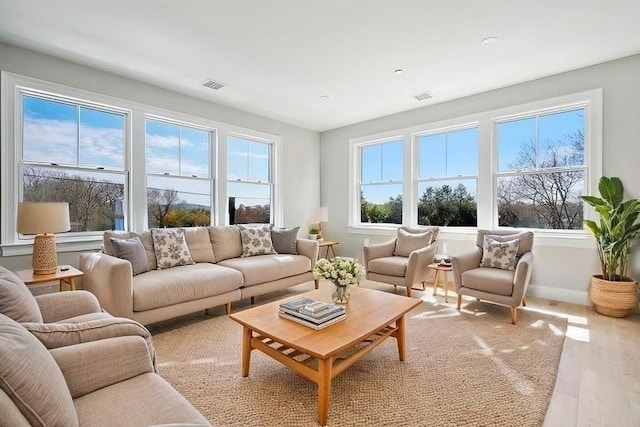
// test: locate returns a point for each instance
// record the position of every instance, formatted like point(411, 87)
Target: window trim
point(135, 173)
point(590, 100)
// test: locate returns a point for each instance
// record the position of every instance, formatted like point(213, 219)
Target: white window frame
point(275, 185)
point(213, 140)
point(135, 179)
point(590, 100)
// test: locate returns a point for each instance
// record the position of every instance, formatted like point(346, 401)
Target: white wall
point(560, 272)
point(301, 173)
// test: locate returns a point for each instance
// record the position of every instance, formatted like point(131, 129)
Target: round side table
point(445, 283)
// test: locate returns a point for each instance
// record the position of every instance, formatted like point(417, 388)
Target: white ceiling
point(277, 58)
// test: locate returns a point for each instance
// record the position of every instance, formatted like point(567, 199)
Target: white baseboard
point(558, 294)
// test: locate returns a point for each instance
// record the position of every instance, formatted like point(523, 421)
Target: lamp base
point(45, 257)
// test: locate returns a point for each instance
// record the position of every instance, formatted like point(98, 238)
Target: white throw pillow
point(170, 246)
point(496, 254)
point(256, 240)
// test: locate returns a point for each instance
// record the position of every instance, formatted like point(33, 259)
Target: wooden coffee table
point(372, 316)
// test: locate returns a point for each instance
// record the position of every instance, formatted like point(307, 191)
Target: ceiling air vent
point(212, 84)
point(422, 96)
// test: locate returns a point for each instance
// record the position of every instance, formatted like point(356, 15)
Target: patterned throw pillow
point(496, 254)
point(256, 240)
point(170, 246)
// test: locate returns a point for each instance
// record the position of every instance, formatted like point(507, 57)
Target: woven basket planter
point(614, 299)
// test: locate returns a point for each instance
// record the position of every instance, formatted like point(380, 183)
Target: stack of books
point(312, 313)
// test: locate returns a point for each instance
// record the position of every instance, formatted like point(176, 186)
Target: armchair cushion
point(499, 254)
point(490, 280)
point(66, 305)
point(389, 266)
point(16, 300)
point(32, 379)
point(525, 239)
point(131, 250)
point(408, 242)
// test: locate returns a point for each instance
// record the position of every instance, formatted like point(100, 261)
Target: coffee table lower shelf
point(326, 368)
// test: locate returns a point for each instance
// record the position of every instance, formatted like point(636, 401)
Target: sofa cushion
point(256, 240)
point(267, 268)
point(225, 241)
point(389, 266)
point(16, 301)
point(31, 378)
point(199, 244)
point(161, 288)
point(171, 248)
point(133, 251)
point(491, 280)
point(145, 238)
point(285, 240)
point(407, 242)
point(498, 254)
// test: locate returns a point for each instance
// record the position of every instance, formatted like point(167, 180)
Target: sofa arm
point(522, 276)
point(462, 263)
point(64, 305)
point(93, 365)
point(378, 250)
point(111, 280)
point(419, 259)
point(308, 248)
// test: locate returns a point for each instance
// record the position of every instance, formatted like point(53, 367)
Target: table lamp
point(323, 216)
point(43, 219)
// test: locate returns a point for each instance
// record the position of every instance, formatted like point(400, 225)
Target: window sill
point(24, 248)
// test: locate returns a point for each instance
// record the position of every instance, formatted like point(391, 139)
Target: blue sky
point(56, 132)
point(454, 154)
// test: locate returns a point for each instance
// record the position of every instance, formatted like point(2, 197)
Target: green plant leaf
point(611, 190)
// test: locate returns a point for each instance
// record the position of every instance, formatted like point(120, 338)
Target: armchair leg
point(459, 301)
point(317, 283)
point(514, 315)
point(524, 301)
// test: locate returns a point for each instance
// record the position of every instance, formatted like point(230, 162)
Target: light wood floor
point(598, 382)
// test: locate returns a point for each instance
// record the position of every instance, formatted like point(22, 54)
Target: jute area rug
point(468, 368)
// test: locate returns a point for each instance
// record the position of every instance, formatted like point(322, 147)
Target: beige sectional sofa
point(219, 276)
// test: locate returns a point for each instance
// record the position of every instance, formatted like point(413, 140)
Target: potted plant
point(613, 293)
point(314, 233)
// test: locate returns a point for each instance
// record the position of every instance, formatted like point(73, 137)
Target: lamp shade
point(323, 214)
point(43, 217)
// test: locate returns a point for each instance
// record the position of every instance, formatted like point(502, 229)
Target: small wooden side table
point(329, 245)
point(63, 277)
point(445, 283)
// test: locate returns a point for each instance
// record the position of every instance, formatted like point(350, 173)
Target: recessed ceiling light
point(398, 71)
point(489, 40)
point(324, 97)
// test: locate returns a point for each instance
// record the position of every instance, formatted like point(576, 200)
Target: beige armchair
point(63, 318)
point(402, 261)
point(99, 383)
point(502, 285)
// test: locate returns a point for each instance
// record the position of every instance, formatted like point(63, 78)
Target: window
point(523, 166)
point(249, 180)
point(74, 152)
point(541, 170)
point(448, 178)
point(381, 182)
point(178, 174)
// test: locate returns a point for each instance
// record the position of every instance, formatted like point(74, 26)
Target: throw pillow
point(16, 301)
point(133, 251)
point(285, 240)
point(170, 246)
point(256, 240)
point(407, 242)
point(496, 254)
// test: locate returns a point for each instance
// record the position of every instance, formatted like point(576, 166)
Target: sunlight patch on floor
point(578, 334)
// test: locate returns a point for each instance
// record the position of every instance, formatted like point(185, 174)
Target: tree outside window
point(381, 182)
point(541, 171)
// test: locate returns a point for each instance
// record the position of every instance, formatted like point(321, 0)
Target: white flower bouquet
point(341, 271)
